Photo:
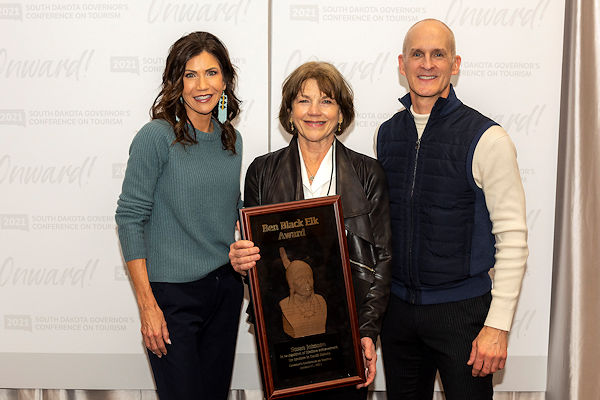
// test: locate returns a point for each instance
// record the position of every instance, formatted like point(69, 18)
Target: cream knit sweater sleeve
point(496, 172)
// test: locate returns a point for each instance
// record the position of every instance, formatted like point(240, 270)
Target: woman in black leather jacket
point(317, 105)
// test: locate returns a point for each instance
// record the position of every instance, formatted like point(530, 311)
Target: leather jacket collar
point(354, 201)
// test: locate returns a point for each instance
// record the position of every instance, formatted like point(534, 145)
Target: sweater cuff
point(499, 318)
point(132, 246)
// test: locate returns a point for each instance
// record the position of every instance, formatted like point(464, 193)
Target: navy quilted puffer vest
point(441, 231)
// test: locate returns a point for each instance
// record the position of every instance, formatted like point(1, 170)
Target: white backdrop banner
point(77, 80)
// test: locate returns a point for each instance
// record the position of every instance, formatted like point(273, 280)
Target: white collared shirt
point(320, 186)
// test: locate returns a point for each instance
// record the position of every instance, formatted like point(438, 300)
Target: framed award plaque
point(303, 299)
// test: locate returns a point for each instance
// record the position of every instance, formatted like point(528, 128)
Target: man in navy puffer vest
point(458, 210)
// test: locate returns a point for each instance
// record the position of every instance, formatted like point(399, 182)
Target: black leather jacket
point(361, 182)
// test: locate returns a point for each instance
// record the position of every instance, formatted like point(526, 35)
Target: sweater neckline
point(208, 136)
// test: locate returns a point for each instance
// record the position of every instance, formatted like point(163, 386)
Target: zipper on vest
point(411, 291)
point(414, 178)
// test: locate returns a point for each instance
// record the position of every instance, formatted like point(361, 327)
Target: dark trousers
point(418, 340)
point(202, 318)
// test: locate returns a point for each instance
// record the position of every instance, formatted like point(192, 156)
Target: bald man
point(458, 210)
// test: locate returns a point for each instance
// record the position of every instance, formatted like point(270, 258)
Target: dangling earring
point(339, 126)
point(222, 111)
point(291, 125)
point(181, 99)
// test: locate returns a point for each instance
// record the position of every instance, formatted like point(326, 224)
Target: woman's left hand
point(369, 359)
point(243, 255)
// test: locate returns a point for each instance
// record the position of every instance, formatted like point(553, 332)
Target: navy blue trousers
point(202, 318)
point(418, 340)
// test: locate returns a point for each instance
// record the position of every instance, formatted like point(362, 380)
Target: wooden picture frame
point(301, 288)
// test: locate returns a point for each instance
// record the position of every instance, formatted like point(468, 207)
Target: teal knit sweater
point(178, 205)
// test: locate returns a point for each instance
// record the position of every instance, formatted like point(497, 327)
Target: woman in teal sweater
point(176, 216)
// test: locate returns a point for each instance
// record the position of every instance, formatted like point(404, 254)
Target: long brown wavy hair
point(167, 105)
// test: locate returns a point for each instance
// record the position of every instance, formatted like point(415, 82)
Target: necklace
point(332, 165)
point(311, 176)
